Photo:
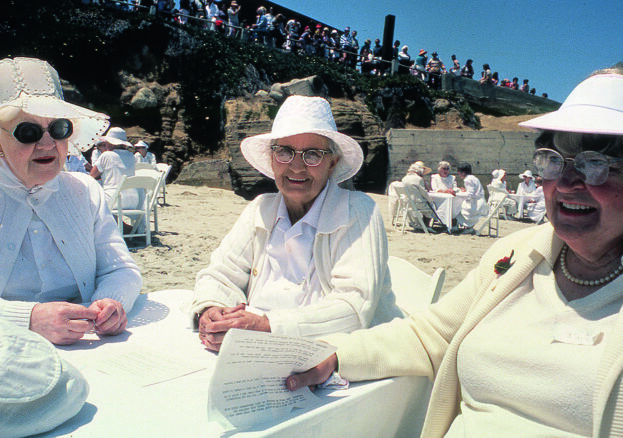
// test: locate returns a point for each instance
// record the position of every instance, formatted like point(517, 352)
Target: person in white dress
point(308, 260)
point(442, 181)
point(65, 269)
point(527, 186)
point(414, 177)
point(142, 154)
point(474, 206)
point(498, 185)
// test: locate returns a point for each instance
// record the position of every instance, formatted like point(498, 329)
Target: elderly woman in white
point(527, 185)
point(414, 177)
point(443, 181)
point(65, 269)
point(497, 187)
point(308, 260)
point(474, 206)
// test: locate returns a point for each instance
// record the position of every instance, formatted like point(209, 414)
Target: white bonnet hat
point(304, 115)
point(116, 136)
point(594, 106)
point(33, 86)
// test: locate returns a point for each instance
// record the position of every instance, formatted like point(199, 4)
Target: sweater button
point(255, 272)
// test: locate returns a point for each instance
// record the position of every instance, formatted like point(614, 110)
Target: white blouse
point(289, 278)
point(529, 368)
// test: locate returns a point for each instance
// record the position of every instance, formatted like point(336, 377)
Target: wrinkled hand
point(111, 318)
point(62, 323)
point(216, 321)
point(313, 376)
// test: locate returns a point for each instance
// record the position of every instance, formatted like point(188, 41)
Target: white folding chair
point(165, 169)
point(160, 176)
point(414, 289)
point(413, 207)
point(496, 208)
point(140, 216)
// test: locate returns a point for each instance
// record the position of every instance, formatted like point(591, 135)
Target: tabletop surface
point(159, 346)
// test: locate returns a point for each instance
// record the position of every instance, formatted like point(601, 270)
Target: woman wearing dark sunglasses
point(531, 342)
point(65, 269)
point(309, 260)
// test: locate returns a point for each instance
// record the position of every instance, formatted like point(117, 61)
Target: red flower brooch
point(503, 264)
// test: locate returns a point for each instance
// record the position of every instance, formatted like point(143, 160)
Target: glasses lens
point(549, 163)
point(312, 157)
point(594, 166)
point(27, 132)
point(283, 154)
point(60, 129)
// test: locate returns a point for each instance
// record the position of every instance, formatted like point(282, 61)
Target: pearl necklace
point(603, 280)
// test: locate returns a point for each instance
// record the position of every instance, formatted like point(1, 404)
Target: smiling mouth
point(44, 160)
point(296, 180)
point(576, 208)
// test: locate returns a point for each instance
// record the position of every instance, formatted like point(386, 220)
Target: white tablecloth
point(178, 408)
point(522, 201)
point(448, 206)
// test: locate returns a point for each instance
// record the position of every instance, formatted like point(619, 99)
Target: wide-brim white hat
point(304, 115)
point(33, 86)
point(594, 106)
point(141, 144)
point(527, 173)
point(116, 136)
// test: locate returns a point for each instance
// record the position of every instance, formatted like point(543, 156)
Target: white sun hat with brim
point(116, 136)
point(34, 87)
point(527, 173)
point(304, 115)
point(594, 106)
point(141, 144)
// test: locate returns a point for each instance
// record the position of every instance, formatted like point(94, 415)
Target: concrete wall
point(484, 150)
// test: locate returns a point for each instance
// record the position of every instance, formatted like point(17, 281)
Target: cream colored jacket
point(426, 344)
point(350, 257)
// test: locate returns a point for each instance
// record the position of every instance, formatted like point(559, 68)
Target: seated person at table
point(536, 206)
point(142, 154)
point(529, 343)
point(474, 206)
point(414, 177)
point(442, 181)
point(498, 183)
point(527, 185)
point(310, 259)
point(112, 165)
point(61, 250)
point(38, 390)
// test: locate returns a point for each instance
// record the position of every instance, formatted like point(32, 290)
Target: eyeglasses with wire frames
point(29, 132)
point(311, 157)
point(595, 166)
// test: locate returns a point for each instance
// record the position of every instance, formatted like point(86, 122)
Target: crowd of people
point(340, 46)
point(474, 205)
point(527, 344)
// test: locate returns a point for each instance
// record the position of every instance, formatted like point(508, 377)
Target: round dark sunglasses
point(29, 132)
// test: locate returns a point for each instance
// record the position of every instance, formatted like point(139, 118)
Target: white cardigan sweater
point(426, 344)
point(73, 208)
point(350, 256)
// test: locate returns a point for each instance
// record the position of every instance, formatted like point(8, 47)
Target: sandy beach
point(195, 219)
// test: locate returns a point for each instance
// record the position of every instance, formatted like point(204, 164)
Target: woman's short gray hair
point(443, 164)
